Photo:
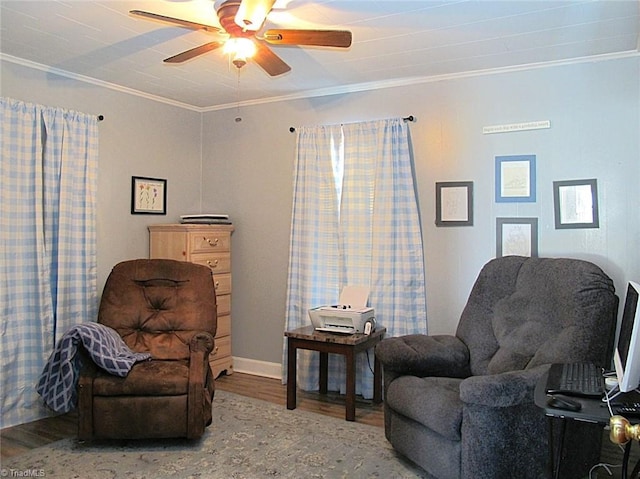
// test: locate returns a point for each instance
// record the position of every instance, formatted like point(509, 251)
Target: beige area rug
point(249, 439)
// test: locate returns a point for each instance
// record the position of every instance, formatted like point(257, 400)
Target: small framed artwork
point(148, 196)
point(575, 204)
point(516, 179)
point(454, 203)
point(516, 236)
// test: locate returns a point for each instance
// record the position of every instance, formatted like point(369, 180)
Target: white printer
point(350, 316)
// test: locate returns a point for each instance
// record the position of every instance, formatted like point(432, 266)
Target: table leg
point(350, 358)
point(377, 381)
point(636, 470)
point(625, 459)
point(324, 375)
point(291, 374)
point(556, 457)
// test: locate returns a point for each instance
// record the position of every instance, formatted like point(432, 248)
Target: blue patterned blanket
point(59, 378)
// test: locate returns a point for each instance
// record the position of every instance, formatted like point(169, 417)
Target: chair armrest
point(502, 390)
point(201, 342)
point(200, 346)
point(86, 375)
point(422, 355)
point(88, 372)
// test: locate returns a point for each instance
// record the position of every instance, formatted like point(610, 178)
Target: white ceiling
point(394, 43)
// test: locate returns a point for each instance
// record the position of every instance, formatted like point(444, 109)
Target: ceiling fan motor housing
point(226, 14)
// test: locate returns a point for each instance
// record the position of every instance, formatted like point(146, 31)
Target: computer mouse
point(564, 403)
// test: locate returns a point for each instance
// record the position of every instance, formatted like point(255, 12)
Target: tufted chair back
point(525, 312)
point(157, 305)
point(166, 308)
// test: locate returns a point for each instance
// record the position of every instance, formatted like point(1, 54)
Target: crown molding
point(400, 82)
point(339, 90)
point(94, 81)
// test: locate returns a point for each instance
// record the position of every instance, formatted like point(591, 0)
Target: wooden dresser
point(209, 245)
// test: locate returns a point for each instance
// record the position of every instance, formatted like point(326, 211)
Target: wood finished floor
point(20, 439)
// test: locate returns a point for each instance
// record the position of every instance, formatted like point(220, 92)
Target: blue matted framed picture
point(516, 179)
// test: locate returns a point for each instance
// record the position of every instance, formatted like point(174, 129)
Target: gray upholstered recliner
point(462, 406)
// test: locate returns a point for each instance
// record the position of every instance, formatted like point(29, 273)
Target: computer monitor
point(627, 353)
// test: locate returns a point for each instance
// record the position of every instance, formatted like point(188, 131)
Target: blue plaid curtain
point(48, 173)
point(355, 222)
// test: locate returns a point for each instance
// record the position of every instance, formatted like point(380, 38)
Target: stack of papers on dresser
point(206, 219)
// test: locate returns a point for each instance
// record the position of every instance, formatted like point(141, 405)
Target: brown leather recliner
point(166, 308)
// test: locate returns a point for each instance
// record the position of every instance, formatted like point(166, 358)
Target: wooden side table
point(335, 343)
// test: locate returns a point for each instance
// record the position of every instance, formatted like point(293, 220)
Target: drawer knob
point(212, 264)
point(216, 284)
point(213, 242)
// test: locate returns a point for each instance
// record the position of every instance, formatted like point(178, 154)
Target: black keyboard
point(576, 379)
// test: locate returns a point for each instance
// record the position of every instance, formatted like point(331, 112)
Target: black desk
point(593, 411)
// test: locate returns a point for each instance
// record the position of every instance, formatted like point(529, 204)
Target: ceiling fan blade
point(269, 61)
point(252, 13)
point(174, 21)
point(194, 52)
point(321, 38)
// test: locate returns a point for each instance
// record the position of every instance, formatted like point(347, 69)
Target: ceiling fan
point(241, 20)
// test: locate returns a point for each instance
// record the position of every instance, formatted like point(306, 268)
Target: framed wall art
point(148, 196)
point(454, 203)
point(516, 236)
point(516, 179)
point(575, 204)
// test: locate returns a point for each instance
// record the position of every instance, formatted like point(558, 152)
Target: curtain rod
point(406, 118)
point(100, 117)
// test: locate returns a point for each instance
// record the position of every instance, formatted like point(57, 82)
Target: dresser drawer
point(222, 283)
point(221, 348)
point(224, 304)
point(224, 326)
point(217, 262)
point(207, 242)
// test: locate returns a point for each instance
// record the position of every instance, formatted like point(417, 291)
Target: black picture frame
point(575, 204)
point(148, 196)
point(454, 203)
point(516, 236)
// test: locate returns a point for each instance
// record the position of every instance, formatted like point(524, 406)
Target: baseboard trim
point(257, 368)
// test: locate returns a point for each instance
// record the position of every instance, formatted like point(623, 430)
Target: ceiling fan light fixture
point(240, 49)
point(252, 13)
point(239, 61)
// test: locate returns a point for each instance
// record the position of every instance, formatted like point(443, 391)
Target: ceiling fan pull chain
point(238, 118)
